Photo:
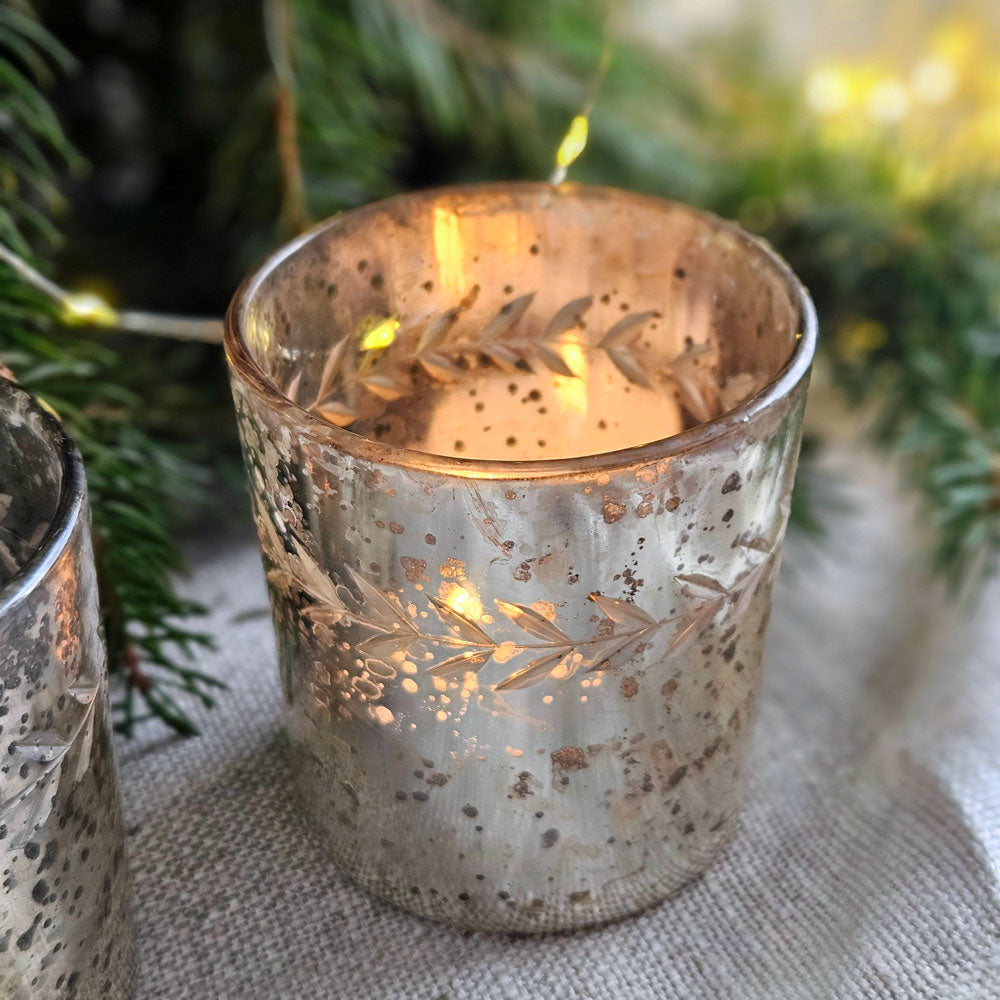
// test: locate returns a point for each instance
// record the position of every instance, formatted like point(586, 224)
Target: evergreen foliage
point(292, 110)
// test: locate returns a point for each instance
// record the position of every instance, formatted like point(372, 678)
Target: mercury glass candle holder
point(65, 922)
point(521, 460)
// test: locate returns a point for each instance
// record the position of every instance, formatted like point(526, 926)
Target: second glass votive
point(521, 460)
point(65, 901)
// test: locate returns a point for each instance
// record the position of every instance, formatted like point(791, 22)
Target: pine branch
point(137, 481)
point(484, 91)
point(396, 94)
point(914, 331)
point(360, 100)
point(951, 452)
point(279, 24)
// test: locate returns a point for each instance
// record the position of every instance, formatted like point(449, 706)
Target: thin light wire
point(85, 308)
point(575, 140)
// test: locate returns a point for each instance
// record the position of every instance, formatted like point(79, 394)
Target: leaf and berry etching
point(541, 646)
point(45, 759)
point(443, 352)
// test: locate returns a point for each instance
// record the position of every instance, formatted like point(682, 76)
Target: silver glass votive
point(65, 924)
point(521, 460)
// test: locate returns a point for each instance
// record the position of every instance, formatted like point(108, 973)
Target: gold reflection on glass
point(461, 599)
point(572, 392)
point(449, 251)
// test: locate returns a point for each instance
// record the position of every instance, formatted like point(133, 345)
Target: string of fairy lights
point(942, 107)
point(956, 75)
point(89, 309)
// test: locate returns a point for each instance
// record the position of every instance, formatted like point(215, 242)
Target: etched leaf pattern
point(622, 612)
point(387, 372)
point(618, 341)
point(462, 625)
point(468, 646)
point(16, 547)
point(532, 672)
point(533, 623)
point(45, 758)
point(458, 664)
point(8, 563)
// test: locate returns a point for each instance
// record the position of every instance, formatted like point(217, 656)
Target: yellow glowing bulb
point(956, 41)
point(859, 338)
point(88, 308)
point(934, 81)
point(889, 102)
point(827, 91)
point(377, 334)
point(574, 142)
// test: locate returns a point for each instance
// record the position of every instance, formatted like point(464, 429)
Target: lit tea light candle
point(532, 415)
point(495, 355)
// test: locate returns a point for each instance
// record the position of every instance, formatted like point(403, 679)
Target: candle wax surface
point(535, 415)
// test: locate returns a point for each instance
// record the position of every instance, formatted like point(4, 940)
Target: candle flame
point(574, 142)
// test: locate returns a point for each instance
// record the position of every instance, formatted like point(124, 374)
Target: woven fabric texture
point(867, 864)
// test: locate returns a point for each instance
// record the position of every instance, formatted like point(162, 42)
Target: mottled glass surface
point(521, 461)
point(31, 469)
point(65, 923)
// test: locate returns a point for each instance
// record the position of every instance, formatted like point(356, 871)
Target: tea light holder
point(521, 459)
point(65, 900)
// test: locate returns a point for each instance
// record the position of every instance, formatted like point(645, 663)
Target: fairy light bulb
point(379, 335)
point(87, 309)
point(827, 91)
point(934, 81)
point(574, 142)
point(888, 103)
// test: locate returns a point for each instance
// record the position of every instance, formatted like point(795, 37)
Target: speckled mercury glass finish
point(65, 926)
point(521, 460)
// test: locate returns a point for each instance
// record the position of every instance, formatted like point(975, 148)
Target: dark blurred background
point(173, 106)
point(156, 91)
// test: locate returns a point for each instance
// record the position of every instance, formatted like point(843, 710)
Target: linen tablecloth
point(867, 864)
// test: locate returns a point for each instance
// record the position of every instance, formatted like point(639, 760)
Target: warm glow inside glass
point(521, 460)
point(522, 324)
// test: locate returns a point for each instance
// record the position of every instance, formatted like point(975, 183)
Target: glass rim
point(244, 366)
point(72, 494)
